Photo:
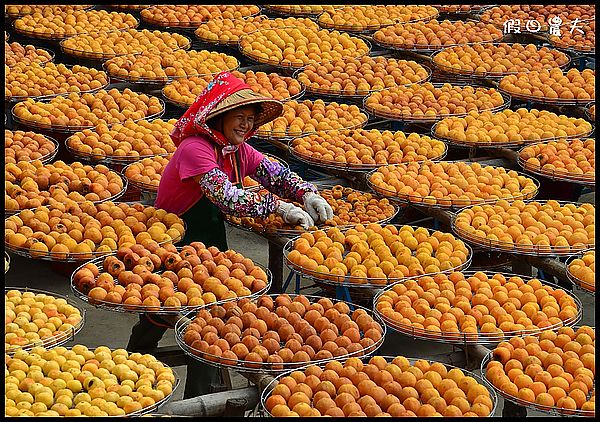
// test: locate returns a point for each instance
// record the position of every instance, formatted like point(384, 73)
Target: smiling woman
point(203, 181)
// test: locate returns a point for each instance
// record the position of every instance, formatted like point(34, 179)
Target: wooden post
point(214, 404)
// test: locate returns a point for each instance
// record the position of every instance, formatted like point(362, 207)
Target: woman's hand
point(317, 207)
point(292, 214)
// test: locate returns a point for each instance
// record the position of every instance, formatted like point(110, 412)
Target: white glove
point(317, 207)
point(292, 214)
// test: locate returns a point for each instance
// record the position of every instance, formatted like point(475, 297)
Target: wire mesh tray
point(276, 9)
point(584, 179)
point(573, 48)
point(72, 257)
point(8, 212)
point(6, 262)
point(101, 56)
point(432, 119)
point(529, 250)
point(270, 367)
point(45, 159)
point(62, 36)
point(108, 159)
point(267, 136)
point(354, 95)
point(141, 309)
point(52, 55)
point(192, 25)
point(161, 80)
point(545, 100)
point(15, 99)
point(551, 410)
point(586, 287)
point(20, 14)
point(287, 67)
point(73, 129)
point(509, 144)
point(55, 340)
point(493, 396)
point(447, 9)
point(144, 187)
point(460, 338)
point(447, 203)
point(348, 167)
point(487, 74)
point(269, 230)
point(369, 29)
point(359, 282)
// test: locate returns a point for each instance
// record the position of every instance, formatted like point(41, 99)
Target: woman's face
point(237, 123)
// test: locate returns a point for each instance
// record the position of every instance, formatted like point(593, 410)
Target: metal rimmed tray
point(231, 43)
point(269, 367)
point(267, 136)
point(142, 80)
point(475, 8)
point(351, 95)
point(552, 410)
point(369, 29)
point(545, 100)
point(45, 159)
point(267, 230)
point(582, 285)
point(114, 197)
point(459, 338)
point(15, 99)
point(6, 262)
point(101, 56)
point(583, 179)
point(71, 256)
point(59, 37)
point(287, 13)
point(192, 24)
point(73, 129)
point(359, 282)
point(141, 309)
point(509, 144)
point(529, 250)
point(56, 340)
point(427, 48)
point(20, 15)
point(481, 380)
point(588, 112)
point(52, 55)
point(144, 187)
point(453, 204)
point(432, 119)
point(487, 74)
point(278, 64)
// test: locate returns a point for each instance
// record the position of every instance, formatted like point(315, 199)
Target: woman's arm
point(282, 181)
point(232, 200)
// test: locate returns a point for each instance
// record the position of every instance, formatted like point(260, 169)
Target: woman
point(203, 180)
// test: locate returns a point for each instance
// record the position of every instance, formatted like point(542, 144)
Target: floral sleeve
point(233, 200)
point(282, 181)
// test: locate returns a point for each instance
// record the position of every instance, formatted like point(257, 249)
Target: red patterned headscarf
point(193, 121)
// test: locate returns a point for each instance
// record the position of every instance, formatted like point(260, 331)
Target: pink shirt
point(195, 156)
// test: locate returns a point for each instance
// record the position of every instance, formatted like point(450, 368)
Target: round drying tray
point(100, 57)
point(114, 197)
point(60, 37)
point(269, 367)
point(270, 231)
point(353, 282)
point(278, 64)
point(52, 55)
point(494, 397)
point(51, 155)
point(191, 26)
point(20, 14)
point(266, 136)
point(341, 95)
point(333, 165)
point(73, 129)
point(572, 49)
point(529, 250)
point(16, 99)
point(545, 100)
point(108, 159)
point(6, 262)
point(437, 117)
point(449, 203)
point(508, 144)
point(588, 112)
point(459, 338)
point(55, 340)
point(141, 309)
point(484, 75)
point(551, 410)
point(70, 257)
point(287, 13)
point(583, 179)
point(582, 285)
